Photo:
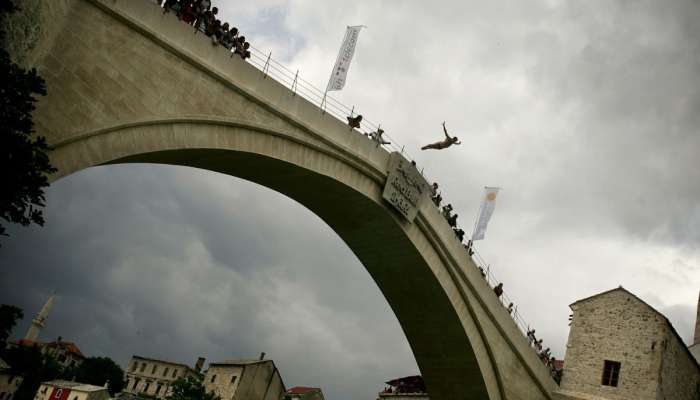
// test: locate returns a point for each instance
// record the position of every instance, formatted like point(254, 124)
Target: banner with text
point(342, 63)
point(487, 207)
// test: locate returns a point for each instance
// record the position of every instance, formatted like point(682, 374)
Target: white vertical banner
point(488, 204)
point(342, 63)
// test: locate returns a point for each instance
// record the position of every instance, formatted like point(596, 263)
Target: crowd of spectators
point(203, 17)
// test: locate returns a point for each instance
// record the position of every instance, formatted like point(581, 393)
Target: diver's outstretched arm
point(445, 129)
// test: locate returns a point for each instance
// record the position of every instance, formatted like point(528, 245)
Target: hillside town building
point(304, 393)
point(152, 377)
point(406, 388)
point(68, 390)
point(66, 353)
point(244, 380)
point(621, 348)
point(9, 382)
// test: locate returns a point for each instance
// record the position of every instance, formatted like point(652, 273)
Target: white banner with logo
point(487, 207)
point(342, 63)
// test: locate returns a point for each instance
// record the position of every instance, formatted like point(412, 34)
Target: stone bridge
point(128, 84)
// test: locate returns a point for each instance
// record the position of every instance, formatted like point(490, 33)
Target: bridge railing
point(326, 103)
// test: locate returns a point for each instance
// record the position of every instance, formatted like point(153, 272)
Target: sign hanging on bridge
point(405, 188)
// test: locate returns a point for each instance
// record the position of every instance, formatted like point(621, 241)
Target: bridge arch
point(347, 197)
point(129, 84)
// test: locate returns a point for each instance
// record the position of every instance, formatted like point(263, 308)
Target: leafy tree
point(24, 162)
point(97, 371)
point(190, 389)
point(34, 366)
point(9, 315)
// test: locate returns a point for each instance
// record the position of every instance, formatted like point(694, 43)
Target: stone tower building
point(38, 321)
point(695, 347)
point(620, 348)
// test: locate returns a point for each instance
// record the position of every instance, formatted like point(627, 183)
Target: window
point(136, 383)
point(174, 372)
point(145, 387)
point(75, 398)
point(134, 366)
point(62, 358)
point(611, 371)
point(165, 372)
point(233, 379)
point(213, 378)
point(143, 367)
point(155, 367)
point(159, 388)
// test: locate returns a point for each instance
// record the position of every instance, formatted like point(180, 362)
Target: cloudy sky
point(586, 113)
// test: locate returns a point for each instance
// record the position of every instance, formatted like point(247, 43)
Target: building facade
point(620, 348)
point(67, 390)
point(244, 380)
point(9, 382)
point(151, 377)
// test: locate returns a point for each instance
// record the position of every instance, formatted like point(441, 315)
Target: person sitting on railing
point(242, 50)
point(459, 233)
point(452, 220)
point(354, 122)
point(498, 290)
point(449, 141)
point(220, 34)
point(482, 272)
point(437, 199)
point(447, 211)
point(378, 138)
point(201, 6)
point(188, 13)
point(531, 336)
point(468, 246)
point(538, 345)
point(171, 5)
point(212, 28)
point(229, 40)
point(206, 20)
point(510, 308)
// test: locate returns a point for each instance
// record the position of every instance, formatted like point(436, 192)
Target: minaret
point(696, 339)
point(38, 321)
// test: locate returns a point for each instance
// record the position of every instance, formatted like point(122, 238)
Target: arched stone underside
point(128, 84)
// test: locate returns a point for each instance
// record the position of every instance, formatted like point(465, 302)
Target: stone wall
point(614, 326)
point(31, 30)
point(680, 376)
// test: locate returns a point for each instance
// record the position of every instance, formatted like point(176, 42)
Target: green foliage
point(34, 366)
point(97, 371)
point(24, 161)
point(190, 389)
point(9, 315)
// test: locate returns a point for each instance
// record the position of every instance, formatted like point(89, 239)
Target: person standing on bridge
point(498, 290)
point(354, 122)
point(449, 141)
point(378, 138)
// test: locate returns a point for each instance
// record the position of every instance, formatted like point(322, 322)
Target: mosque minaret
point(38, 321)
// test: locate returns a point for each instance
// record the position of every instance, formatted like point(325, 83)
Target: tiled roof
point(303, 390)
point(239, 362)
point(83, 387)
point(161, 361)
point(68, 346)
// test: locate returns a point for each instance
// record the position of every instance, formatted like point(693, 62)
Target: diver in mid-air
point(449, 141)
